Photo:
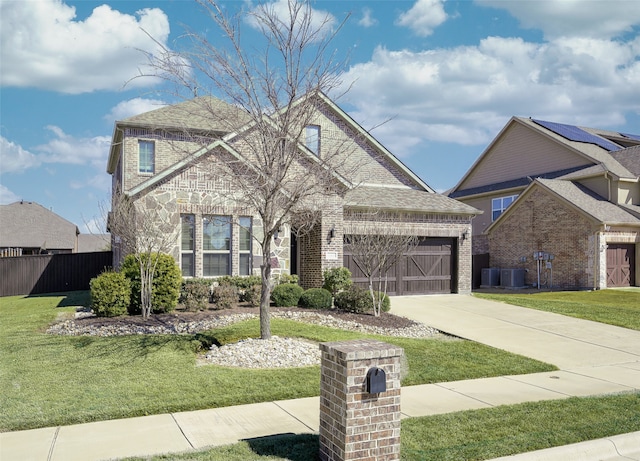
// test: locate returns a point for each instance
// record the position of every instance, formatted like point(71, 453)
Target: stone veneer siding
point(544, 223)
point(356, 425)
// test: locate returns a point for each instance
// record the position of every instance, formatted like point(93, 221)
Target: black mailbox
point(376, 381)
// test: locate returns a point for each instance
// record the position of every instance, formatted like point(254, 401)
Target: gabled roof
point(629, 158)
point(404, 199)
point(594, 206)
point(517, 183)
point(179, 116)
point(30, 225)
point(204, 115)
point(374, 142)
point(195, 115)
point(587, 148)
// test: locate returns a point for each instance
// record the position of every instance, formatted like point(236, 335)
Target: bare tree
point(376, 246)
point(277, 90)
point(142, 233)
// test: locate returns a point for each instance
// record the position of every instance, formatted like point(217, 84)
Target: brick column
point(354, 424)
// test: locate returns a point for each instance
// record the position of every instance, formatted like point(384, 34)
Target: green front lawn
point(615, 307)
point(464, 436)
point(58, 380)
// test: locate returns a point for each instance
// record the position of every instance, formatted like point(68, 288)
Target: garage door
point(428, 269)
point(621, 265)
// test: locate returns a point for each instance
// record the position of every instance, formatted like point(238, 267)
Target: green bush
point(336, 279)
point(252, 295)
point(225, 296)
point(358, 300)
point(286, 294)
point(110, 294)
point(167, 280)
point(248, 287)
point(195, 294)
point(316, 298)
point(287, 278)
point(241, 282)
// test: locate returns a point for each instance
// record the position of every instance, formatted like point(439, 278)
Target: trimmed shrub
point(359, 301)
point(355, 299)
point(252, 295)
point(336, 279)
point(239, 281)
point(167, 280)
point(110, 294)
point(316, 298)
point(287, 278)
point(286, 294)
point(224, 296)
point(195, 294)
point(246, 287)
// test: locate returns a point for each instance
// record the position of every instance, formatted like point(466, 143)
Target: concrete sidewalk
point(594, 359)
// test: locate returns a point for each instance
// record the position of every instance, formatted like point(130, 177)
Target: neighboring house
point(91, 243)
point(560, 202)
point(27, 228)
point(152, 161)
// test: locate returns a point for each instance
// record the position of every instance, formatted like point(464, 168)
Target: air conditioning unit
point(512, 278)
point(490, 277)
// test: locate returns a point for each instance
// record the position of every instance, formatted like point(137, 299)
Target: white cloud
point(573, 18)
point(367, 19)
point(466, 94)
point(45, 46)
point(423, 17)
point(64, 148)
point(320, 20)
point(131, 107)
point(6, 196)
point(13, 158)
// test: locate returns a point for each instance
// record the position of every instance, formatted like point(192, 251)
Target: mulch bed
point(385, 320)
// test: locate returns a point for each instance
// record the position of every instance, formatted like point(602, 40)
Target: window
point(312, 138)
point(187, 245)
point(245, 245)
point(216, 246)
point(146, 156)
point(498, 205)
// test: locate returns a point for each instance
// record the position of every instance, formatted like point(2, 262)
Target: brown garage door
point(429, 268)
point(621, 265)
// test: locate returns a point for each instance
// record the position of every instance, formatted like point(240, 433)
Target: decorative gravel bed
point(250, 353)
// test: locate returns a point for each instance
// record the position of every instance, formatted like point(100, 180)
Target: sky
point(435, 81)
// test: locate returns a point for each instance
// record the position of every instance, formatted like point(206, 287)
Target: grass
point(613, 306)
point(50, 380)
point(464, 436)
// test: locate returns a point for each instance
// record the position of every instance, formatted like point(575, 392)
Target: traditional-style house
point(28, 228)
point(561, 206)
point(155, 163)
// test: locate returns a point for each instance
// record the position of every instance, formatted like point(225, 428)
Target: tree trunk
point(265, 296)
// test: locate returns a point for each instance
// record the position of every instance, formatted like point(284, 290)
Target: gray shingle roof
point(385, 198)
point(199, 114)
point(629, 158)
point(30, 225)
point(589, 202)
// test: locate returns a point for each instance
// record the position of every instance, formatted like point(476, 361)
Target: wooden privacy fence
point(26, 275)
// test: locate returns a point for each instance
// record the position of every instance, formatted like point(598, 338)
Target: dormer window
point(312, 138)
point(146, 157)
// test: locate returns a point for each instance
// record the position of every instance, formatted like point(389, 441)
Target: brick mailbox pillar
point(357, 421)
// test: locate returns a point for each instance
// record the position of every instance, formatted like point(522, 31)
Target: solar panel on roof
point(573, 133)
point(631, 136)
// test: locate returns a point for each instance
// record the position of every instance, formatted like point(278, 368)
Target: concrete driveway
point(568, 343)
